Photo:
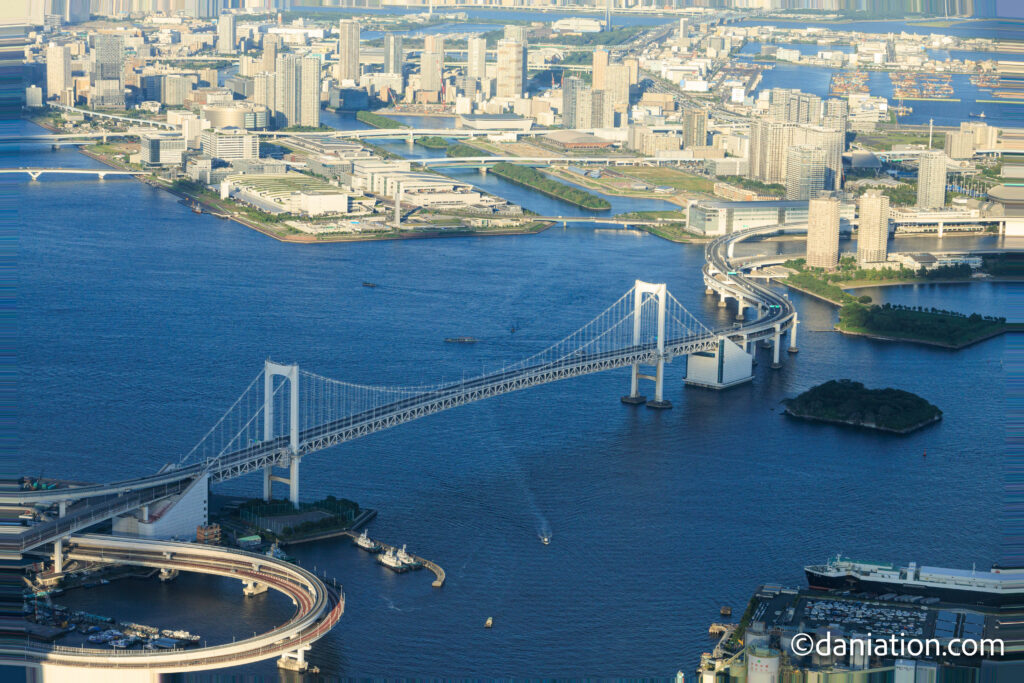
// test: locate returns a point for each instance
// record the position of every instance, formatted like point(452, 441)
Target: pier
point(439, 574)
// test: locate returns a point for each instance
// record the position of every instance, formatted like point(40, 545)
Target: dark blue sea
point(139, 322)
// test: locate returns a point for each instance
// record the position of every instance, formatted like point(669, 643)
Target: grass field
point(678, 180)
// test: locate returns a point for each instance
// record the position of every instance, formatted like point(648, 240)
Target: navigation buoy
point(925, 454)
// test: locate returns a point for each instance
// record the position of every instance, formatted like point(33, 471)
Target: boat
point(366, 543)
point(978, 116)
point(370, 284)
point(389, 558)
point(725, 611)
point(489, 623)
point(461, 340)
point(545, 539)
point(196, 208)
point(998, 587)
point(408, 560)
point(278, 554)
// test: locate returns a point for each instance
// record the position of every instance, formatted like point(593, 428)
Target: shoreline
point(545, 192)
point(942, 345)
point(863, 425)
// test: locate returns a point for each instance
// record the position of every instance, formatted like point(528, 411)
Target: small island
point(847, 402)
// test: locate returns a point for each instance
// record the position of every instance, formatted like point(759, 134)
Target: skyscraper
point(837, 116)
point(931, 180)
point(511, 68)
point(599, 68)
point(58, 69)
point(769, 141)
point(695, 128)
point(271, 45)
point(393, 58)
point(793, 106)
point(106, 88)
point(297, 91)
point(432, 63)
point(823, 233)
point(602, 109)
point(348, 51)
point(226, 34)
point(832, 143)
point(476, 66)
point(805, 172)
point(573, 91)
point(616, 82)
point(873, 227)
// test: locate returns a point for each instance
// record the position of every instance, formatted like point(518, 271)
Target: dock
point(438, 572)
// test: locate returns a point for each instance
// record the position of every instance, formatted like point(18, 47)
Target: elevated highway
point(317, 608)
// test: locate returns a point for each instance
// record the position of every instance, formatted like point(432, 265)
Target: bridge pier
point(294, 661)
point(62, 508)
point(58, 556)
point(102, 175)
point(739, 308)
point(34, 174)
point(251, 587)
point(721, 299)
point(792, 336)
point(776, 342)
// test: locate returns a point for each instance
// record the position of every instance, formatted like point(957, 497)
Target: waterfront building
point(288, 192)
point(714, 217)
point(226, 44)
point(230, 144)
point(873, 228)
point(58, 70)
point(309, 85)
point(432, 63)
point(805, 172)
point(511, 68)
point(931, 180)
point(823, 233)
point(393, 58)
point(348, 51)
point(106, 87)
point(161, 149)
point(297, 91)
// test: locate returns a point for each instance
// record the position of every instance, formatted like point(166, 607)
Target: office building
point(931, 180)
point(229, 144)
point(432, 63)
point(106, 87)
point(873, 227)
point(805, 172)
point(161, 149)
point(58, 70)
point(511, 68)
point(823, 233)
point(476, 66)
point(226, 34)
point(393, 58)
point(347, 68)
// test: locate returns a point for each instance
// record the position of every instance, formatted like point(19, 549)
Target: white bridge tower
point(291, 373)
point(660, 293)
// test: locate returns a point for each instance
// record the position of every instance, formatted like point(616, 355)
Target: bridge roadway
point(102, 501)
point(101, 173)
point(317, 608)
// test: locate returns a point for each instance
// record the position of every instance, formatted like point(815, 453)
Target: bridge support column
point(103, 176)
point(291, 373)
point(792, 336)
point(34, 174)
point(268, 484)
point(294, 661)
point(62, 508)
point(942, 227)
point(661, 294)
point(250, 587)
point(483, 170)
point(739, 308)
point(708, 290)
point(776, 342)
point(145, 513)
point(293, 481)
point(58, 556)
point(721, 299)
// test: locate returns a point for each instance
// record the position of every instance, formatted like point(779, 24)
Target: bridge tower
point(291, 373)
point(660, 292)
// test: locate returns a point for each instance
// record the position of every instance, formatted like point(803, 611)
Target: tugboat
point(389, 558)
point(978, 116)
point(367, 543)
point(408, 560)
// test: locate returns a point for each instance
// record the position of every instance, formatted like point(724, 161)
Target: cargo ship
point(997, 588)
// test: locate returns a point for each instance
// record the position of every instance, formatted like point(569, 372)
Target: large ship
point(997, 587)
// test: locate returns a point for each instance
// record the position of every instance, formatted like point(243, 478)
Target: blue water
point(139, 322)
point(998, 29)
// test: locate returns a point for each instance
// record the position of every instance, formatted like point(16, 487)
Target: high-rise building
point(873, 227)
point(230, 144)
point(616, 82)
point(793, 106)
point(837, 116)
point(931, 180)
point(769, 141)
point(695, 128)
point(805, 172)
point(985, 136)
point(599, 68)
point(226, 34)
point(348, 51)
point(432, 63)
point(309, 89)
point(202, 9)
point(511, 68)
point(476, 66)
point(573, 94)
point(393, 58)
point(823, 233)
point(264, 90)
point(960, 144)
point(602, 109)
point(516, 33)
point(271, 45)
point(58, 69)
point(176, 87)
point(106, 88)
point(832, 143)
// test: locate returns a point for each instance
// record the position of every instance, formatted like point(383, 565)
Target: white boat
point(364, 541)
point(389, 558)
point(404, 557)
point(545, 538)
